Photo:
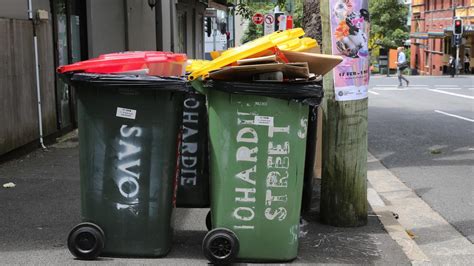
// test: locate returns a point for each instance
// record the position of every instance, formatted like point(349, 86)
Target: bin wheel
point(208, 221)
point(220, 246)
point(86, 241)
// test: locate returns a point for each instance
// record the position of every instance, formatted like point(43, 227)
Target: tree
point(388, 23)
point(247, 8)
point(252, 32)
point(312, 20)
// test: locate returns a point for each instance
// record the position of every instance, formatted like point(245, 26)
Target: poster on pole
point(350, 25)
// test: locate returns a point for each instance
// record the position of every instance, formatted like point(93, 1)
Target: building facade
point(73, 30)
point(431, 35)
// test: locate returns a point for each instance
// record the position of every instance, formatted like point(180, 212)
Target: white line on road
point(395, 86)
point(390, 89)
point(453, 94)
point(449, 88)
point(386, 86)
point(456, 116)
point(446, 85)
point(373, 92)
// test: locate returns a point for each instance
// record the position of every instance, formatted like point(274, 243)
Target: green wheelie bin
point(257, 142)
point(128, 139)
point(193, 175)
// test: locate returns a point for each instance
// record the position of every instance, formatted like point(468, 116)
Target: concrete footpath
point(37, 214)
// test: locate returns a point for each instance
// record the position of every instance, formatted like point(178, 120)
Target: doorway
point(70, 41)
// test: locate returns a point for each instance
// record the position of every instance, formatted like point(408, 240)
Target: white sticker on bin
point(126, 113)
point(263, 120)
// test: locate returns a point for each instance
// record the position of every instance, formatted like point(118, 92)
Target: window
point(448, 46)
point(182, 40)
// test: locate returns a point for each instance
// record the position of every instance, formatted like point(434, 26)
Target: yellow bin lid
point(196, 64)
point(246, 50)
point(298, 45)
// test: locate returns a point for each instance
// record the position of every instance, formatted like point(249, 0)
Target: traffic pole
point(214, 34)
point(344, 156)
point(457, 59)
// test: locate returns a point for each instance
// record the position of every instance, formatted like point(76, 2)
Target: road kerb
point(435, 237)
point(396, 231)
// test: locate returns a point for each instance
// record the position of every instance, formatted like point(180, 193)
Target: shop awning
point(419, 35)
point(433, 34)
point(468, 30)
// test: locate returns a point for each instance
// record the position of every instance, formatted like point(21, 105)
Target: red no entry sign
point(257, 18)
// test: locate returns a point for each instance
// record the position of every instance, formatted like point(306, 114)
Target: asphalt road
point(424, 134)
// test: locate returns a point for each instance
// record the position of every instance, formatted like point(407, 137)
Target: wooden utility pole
point(344, 174)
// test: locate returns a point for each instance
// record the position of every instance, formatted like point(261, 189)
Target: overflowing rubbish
point(232, 55)
point(233, 135)
point(275, 57)
point(251, 72)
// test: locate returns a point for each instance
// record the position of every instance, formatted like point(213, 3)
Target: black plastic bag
point(306, 92)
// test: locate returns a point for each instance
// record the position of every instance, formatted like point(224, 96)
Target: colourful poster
point(350, 24)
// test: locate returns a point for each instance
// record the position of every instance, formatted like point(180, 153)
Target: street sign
point(210, 12)
point(289, 22)
point(269, 26)
point(468, 27)
point(277, 20)
point(282, 24)
point(257, 18)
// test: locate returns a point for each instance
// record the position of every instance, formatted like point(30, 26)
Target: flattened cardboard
point(319, 64)
point(314, 50)
point(290, 71)
point(259, 60)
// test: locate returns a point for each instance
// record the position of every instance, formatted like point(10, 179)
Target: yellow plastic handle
point(196, 64)
point(298, 45)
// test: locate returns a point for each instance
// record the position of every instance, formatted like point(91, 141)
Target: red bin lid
point(121, 62)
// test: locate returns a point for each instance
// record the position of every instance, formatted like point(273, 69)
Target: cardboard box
point(241, 73)
point(319, 64)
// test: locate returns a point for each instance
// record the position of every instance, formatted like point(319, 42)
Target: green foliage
point(247, 8)
point(388, 23)
point(252, 32)
point(408, 55)
point(298, 14)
